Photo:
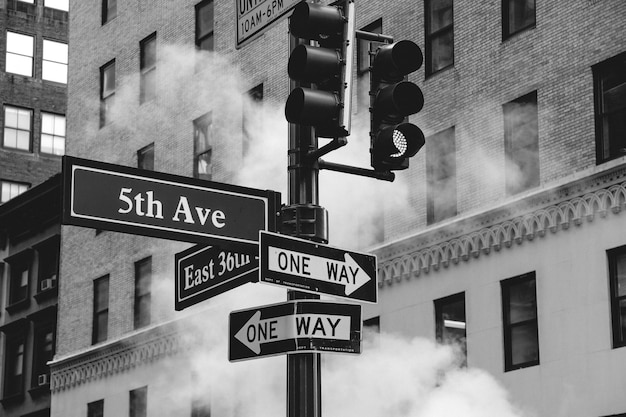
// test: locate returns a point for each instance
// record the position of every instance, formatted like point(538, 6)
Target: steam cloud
point(394, 375)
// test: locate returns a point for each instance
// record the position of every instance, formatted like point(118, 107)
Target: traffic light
point(323, 65)
point(393, 140)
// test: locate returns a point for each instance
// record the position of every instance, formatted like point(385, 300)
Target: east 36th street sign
point(149, 203)
point(294, 327)
point(307, 266)
point(206, 271)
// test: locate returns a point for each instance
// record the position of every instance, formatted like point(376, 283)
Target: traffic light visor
point(397, 59)
point(400, 99)
point(315, 21)
point(312, 107)
point(312, 64)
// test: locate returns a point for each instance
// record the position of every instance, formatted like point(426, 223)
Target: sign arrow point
point(360, 277)
point(242, 335)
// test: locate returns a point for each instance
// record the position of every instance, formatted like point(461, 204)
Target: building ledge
point(572, 200)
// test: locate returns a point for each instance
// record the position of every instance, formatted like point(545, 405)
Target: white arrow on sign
point(258, 331)
point(347, 272)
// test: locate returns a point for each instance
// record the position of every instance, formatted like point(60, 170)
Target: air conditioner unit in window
point(43, 379)
point(49, 283)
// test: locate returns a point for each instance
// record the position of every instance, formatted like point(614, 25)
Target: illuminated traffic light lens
point(400, 142)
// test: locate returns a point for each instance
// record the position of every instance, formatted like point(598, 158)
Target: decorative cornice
point(116, 357)
point(587, 195)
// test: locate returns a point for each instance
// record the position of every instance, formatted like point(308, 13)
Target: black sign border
point(272, 199)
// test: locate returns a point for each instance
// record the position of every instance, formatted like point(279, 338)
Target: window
point(521, 144)
point(19, 266)
point(200, 406)
point(610, 108)
point(203, 136)
point(17, 128)
point(14, 364)
point(450, 322)
point(520, 327)
point(439, 38)
point(143, 281)
point(19, 59)
point(364, 47)
point(54, 65)
point(441, 176)
point(617, 281)
point(204, 25)
point(107, 91)
point(147, 68)
point(138, 404)
point(52, 133)
point(100, 309)
point(11, 189)
point(252, 118)
point(109, 10)
point(95, 409)
point(517, 15)
point(43, 353)
point(145, 157)
point(48, 264)
point(58, 4)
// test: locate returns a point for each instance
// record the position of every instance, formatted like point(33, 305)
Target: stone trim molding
point(547, 210)
point(116, 357)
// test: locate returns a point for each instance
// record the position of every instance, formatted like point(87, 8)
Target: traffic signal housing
point(393, 140)
point(320, 70)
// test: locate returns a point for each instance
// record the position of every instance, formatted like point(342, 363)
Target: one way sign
point(308, 266)
point(295, 326)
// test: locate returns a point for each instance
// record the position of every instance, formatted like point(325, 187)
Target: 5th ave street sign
point(206, 271)
point(149, 203)
point(297, 326)
point(308, 266)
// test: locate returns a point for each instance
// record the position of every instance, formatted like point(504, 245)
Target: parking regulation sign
point(254, 16)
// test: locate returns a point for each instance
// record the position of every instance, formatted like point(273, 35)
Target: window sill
point(12, 399)
point(39, 391)
point(17, 306)
point(46, 294)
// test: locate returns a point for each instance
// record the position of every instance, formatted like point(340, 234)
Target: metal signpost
point(307, 266)
point(294, 327)
point(203, 272)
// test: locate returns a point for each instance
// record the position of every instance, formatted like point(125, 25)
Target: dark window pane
point(441, 176)
point(521, 14)
point(524, 344)
point(95, 409)
point(138, 402)
point(442, 50)
point(440, 14)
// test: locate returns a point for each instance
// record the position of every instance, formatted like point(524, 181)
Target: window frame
point(20, 265)
point(431, 35)
point(440, 182)
point(145, 157)
point(200, 37)
point(507, 327)
point(17, 128)
point(20, 54)
point(44, 60)
point(99, 334)
point(95, 408)
point(507, 32)
point(147, 71)
point(108, 12)
point(203, 125)
point(23, 185)
point(513, 151)
point(142, 293)
point(54, 137)
point(439, 305)
point(107, 97)
point(138, 402)
point(618, 339)
point(13, 381)
point(612, 67)
point(40, 359)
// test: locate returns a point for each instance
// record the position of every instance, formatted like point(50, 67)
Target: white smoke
point(394, 376)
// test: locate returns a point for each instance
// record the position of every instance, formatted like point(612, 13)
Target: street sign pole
point(304, 370)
